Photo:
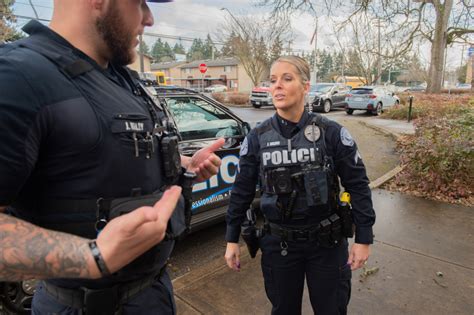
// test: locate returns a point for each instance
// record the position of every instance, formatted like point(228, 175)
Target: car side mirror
point(246, 128)
point(334, 92)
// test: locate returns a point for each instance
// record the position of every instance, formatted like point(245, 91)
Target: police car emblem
point(346, 137)
point(244, 147)
point(312, 133)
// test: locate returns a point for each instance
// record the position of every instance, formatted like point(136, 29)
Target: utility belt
point(328, 233)
point(101, 301)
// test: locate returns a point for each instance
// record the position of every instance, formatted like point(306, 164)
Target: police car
point(200, 121)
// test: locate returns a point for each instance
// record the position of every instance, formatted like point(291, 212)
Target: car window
point(322, 88)
point(361, 91)
point(199, 119)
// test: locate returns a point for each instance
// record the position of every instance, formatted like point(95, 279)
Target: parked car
point(373, 99)
point(200, 120)
point(261, 95)
point(215, 88)
point(323, 97)
point(463, 86)
point(416, 88)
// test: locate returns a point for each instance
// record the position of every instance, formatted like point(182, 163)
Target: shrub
point(237, 98)
point(427, 105)
point(219, 96)
point(439, 158)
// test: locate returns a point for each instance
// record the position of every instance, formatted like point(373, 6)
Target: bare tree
point(439, 22)
point(255, 43)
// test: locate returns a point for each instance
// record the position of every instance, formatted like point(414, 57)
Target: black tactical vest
point(127, 159)
point(296, 174)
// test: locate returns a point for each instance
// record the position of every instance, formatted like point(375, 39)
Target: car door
point(340, 96)
point(200, 121)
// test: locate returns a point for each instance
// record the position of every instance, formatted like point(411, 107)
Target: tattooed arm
point(28, 251)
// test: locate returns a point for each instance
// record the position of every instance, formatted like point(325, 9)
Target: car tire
point(326, 106)
point(349, 111)
point(256, 106)
point(378, 109)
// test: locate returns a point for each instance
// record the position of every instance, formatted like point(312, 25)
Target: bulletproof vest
point(128, 156)
point(296, 174)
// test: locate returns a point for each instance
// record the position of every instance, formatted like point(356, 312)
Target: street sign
point(470, 51)
point(203, 68)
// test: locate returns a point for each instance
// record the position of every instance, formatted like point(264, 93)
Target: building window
point(227, 68)
point(187, 70)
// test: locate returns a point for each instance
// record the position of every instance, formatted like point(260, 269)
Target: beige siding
point(146, 64)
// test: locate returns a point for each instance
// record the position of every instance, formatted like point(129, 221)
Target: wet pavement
point(421, 262)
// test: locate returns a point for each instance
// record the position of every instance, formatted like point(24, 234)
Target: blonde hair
point(301, 65)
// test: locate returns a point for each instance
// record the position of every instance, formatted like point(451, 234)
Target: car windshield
point(361, 91)
point(322, 88)
point(198, 119)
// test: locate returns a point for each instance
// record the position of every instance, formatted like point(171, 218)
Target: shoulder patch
point(244, 147)
point(346, 137)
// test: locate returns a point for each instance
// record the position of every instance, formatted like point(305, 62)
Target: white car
point(216, 88)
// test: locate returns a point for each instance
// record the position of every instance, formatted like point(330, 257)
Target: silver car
point(372, 99)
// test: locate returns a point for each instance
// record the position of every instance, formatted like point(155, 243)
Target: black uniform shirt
point(348, 164)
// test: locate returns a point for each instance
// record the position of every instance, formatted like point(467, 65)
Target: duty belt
point(310, 234)
point(114, 296)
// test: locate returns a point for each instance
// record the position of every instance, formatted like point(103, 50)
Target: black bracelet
point(99, 260)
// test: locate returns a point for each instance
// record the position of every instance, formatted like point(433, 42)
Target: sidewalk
point(421, 262)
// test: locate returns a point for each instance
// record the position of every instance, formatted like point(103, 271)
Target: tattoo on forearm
point(28, 251)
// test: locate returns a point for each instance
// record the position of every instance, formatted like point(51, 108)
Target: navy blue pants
point(326, 271)
point(157, 299)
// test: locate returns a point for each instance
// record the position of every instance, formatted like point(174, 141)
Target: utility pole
point(315, 60)
point(140, 52)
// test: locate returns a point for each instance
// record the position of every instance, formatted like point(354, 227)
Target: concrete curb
point(394, 135)
point(392, 173)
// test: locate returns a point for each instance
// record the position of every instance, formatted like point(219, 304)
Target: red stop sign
point(203, 68)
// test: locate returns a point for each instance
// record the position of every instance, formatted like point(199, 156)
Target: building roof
point(211, 63)
point(166, 65)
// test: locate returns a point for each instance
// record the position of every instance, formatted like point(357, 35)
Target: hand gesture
point(205, 163)
point(126, 237)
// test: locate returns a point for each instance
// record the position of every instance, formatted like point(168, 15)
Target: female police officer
point(299, 158)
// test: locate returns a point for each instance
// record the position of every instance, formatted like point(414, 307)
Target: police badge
point(312, 133)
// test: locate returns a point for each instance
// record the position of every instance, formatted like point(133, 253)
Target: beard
point(117, 39)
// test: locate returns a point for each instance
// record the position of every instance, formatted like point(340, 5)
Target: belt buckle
point(103, 301)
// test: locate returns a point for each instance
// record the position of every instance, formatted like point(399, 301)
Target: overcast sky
point(196, 19)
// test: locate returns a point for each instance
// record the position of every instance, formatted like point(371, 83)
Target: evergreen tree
point(157, 50)
point(228, 48)
point(195, 52)
point(276, 49)
point(208, 47)
point(179, 49)
point(143, 48)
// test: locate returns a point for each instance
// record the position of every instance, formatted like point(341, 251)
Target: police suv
point(200, 121)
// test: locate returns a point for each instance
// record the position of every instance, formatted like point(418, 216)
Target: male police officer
point(83, 143)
